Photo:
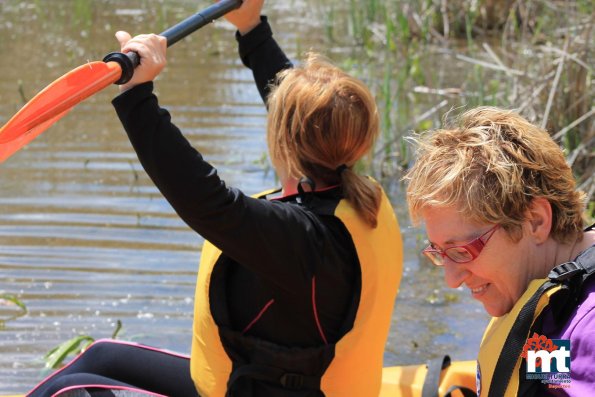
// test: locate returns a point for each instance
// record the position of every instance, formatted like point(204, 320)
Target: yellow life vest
point(505, 336)
point(356, 369)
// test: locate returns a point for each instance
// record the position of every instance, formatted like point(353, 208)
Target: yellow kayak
point(407, 381)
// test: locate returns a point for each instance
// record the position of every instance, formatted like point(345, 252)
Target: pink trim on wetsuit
point(324, 189)
point(107, 341)
point(258, 316)
point(107, 387)
point(320, 330)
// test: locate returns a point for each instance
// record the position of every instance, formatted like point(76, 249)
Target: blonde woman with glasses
point(504, 220)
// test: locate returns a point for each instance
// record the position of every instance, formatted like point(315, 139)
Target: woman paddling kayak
point(295, 289)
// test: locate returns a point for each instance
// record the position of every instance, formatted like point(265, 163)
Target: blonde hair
point(491, 166)
point(321, 118)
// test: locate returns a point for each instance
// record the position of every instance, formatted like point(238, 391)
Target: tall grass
point(531, 56)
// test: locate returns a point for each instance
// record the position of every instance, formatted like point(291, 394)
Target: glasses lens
point(458, 254)
point(435, 257)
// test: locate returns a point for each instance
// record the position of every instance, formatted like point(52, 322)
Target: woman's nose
point(455, 273)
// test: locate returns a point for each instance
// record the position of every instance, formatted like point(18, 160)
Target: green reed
point(415, 55)
point(12, 301)
point(56, 357)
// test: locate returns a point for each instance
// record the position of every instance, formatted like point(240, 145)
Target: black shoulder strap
point(513, 346)
point(587, 260)
point(573, 276)
point(583, 264)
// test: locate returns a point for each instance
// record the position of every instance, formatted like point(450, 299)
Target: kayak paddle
point(54, 101)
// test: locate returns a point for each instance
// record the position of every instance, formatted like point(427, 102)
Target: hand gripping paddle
point(59, 97)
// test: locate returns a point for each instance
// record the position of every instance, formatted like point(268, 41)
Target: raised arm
point(258, 50)
point(253, 232)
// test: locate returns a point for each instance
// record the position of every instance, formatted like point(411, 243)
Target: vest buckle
point(292, 381)
point(565, 271)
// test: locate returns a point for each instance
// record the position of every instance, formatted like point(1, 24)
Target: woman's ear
point(539, 218)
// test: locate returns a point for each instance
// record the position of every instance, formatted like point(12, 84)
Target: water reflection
point(86, 239)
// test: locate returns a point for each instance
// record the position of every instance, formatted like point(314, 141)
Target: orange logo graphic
point(538, 342)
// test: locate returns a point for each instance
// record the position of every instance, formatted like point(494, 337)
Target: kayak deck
point(407, 381)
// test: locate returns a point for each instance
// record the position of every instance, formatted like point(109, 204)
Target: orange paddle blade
point(9, 148)
point(55, 101)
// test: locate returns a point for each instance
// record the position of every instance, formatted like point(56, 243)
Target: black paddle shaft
point(129, 61)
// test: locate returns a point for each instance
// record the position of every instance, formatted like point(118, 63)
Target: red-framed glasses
point(460, 253)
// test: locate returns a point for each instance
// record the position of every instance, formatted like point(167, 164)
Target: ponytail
point(319, 117)
point(363, 194)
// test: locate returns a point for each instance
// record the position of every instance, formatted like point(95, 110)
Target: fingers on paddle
point(151, 49)
point(123, 37)
point(147, 45)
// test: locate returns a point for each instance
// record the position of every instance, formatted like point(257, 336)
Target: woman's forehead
point(446, 225)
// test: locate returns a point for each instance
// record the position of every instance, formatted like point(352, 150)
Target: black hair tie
point(339, 170)
point(305, 196)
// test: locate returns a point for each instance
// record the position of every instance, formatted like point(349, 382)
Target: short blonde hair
point(491, 166)
point(321, 118)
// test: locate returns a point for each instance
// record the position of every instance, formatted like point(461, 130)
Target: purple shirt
point(580, 329)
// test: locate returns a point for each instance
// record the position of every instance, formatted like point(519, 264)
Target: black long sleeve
point(261, 53)
point(253, 232)
point(279, 246)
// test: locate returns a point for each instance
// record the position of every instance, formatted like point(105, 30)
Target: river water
point(85, 237)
